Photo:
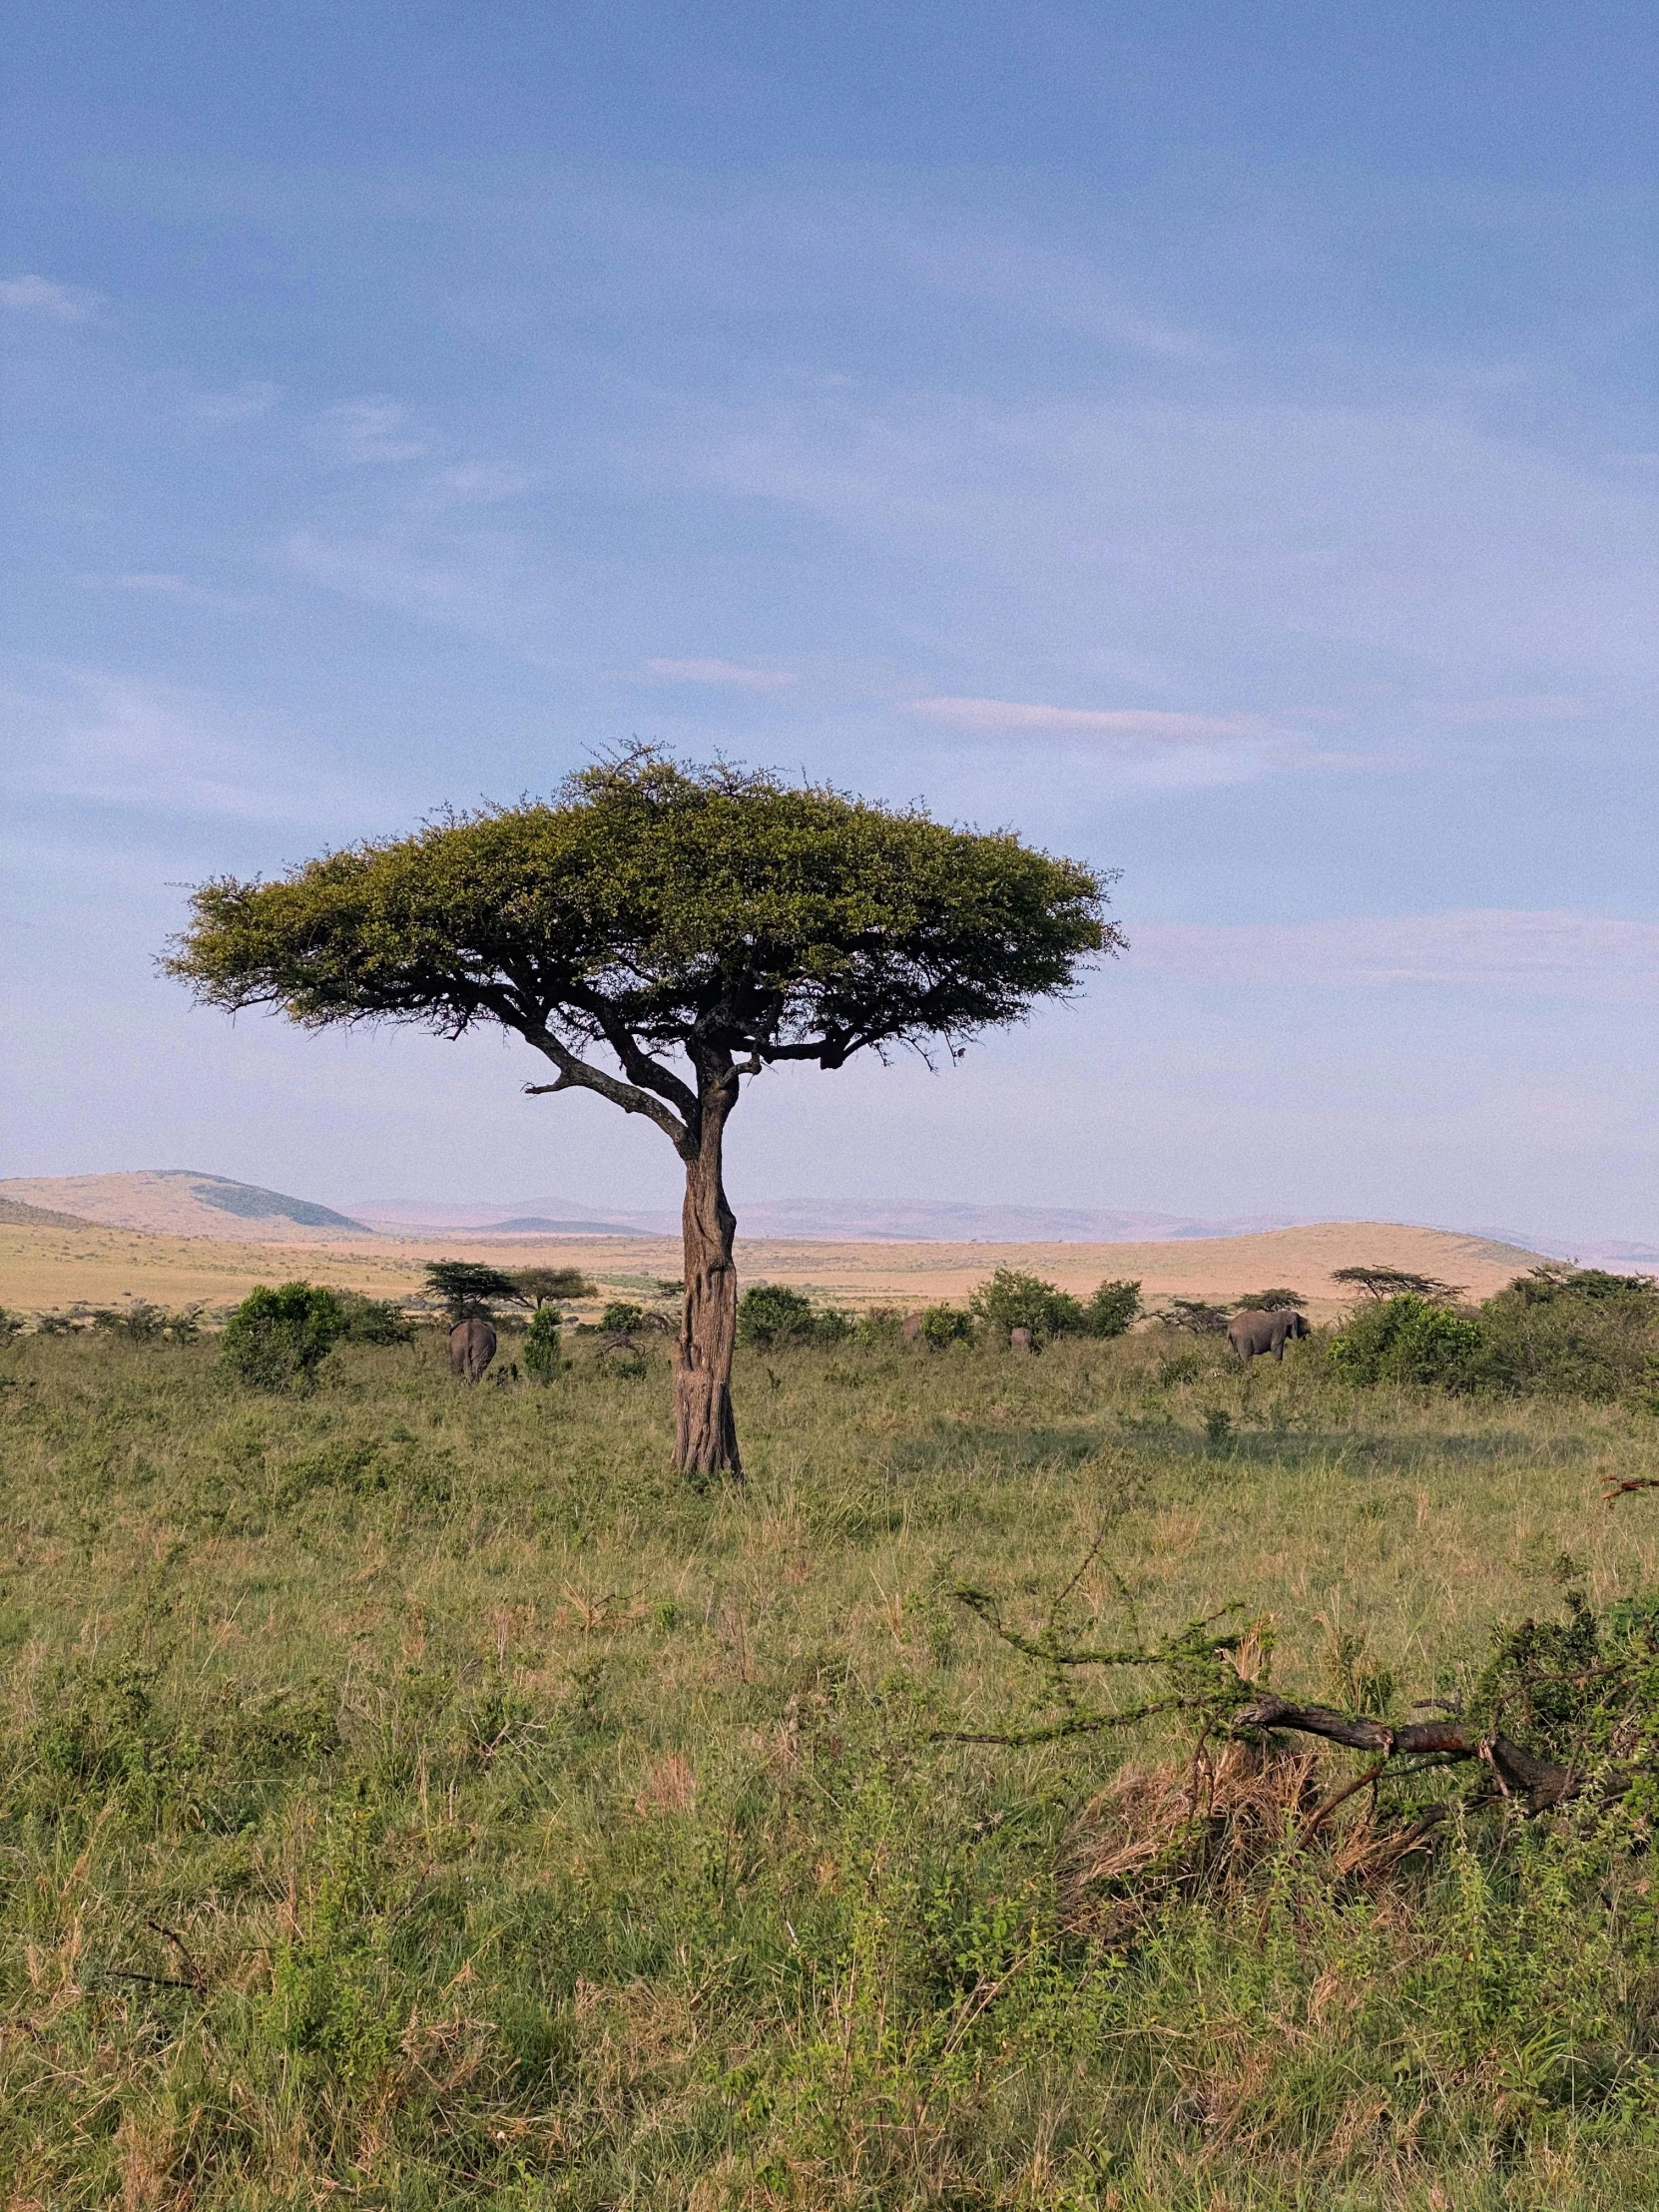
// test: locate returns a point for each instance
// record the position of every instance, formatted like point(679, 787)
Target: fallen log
point(1539, 1783)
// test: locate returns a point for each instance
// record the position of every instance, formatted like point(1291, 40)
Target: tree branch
point(1540, 1781)
point(575, 1074)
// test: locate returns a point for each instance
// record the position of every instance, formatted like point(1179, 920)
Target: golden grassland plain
point(54, 1267)
point(417, 1797)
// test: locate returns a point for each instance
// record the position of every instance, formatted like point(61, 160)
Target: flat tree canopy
point(657, 933)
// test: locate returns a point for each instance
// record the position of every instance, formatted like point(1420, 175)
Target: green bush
point(1573, 1333)
point(946, 1325)
point(1113, 1307)
point(1012, 1300)
point(371, 1320)
point(772, 1314)
point(543, 1354)
point(1409, 1340)
point(276, 1338)
point(620, 1317)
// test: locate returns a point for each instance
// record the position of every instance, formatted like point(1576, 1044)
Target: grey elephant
point(471, 1349)
point(1255, 1331)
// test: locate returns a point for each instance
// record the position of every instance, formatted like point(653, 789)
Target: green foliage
point(1573, 1333)
point(371, 1320)
point(1380, 1281)
point(1111, 1309)
point(942, 1326)
point(469, 1288)
point(649, 897)
point(543, 1354)
point(772, 1314)
point(552, 1286)
point(1014, 1300)
point(622, 1318)
point(1276, 1301)
point(278, 1338)
point(1409, 1340)
point(1195, 1315)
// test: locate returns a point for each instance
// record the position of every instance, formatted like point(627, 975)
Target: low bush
point(371, 1320)
point(543, 1354)
point(1573, 1333)
point(946, 1325)
point(1409, 1340)
point(621, 1318)
point(1111, 1309)
point(277, 1339)
point(770, 1313)
point(1014, 1300)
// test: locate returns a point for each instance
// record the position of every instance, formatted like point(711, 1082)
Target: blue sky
point(1217, 440)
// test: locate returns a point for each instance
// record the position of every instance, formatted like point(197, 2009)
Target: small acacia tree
point(657, 933)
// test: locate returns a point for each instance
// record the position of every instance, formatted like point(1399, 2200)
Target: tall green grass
point(413, 1796)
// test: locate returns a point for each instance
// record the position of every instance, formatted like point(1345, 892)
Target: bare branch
point(575, 1074)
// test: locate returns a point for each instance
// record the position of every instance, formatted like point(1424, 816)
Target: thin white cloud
point(1547, 954)
point(238, 405)
point(360, 432)
point(1521, 706)
point(164, 584)
point(474, 485)
point(732, 673)
point(112, 742)
point(30, 295)
point(1011, 718)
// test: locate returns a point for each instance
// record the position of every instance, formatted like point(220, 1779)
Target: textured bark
point(1539, 1782)
point(705, 1430)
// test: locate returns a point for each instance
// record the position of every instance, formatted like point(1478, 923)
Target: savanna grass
point(416, 1796)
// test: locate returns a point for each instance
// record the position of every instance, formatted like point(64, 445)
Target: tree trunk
point(705, 1432)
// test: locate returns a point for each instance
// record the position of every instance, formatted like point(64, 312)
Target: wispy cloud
point(1547, 954)
point(360, 432)
point(241, 404)
point(732, 673)
point(164, 584)
point(113, 742)
point(1012, 717)
point(1521, 706)
point(30, 295)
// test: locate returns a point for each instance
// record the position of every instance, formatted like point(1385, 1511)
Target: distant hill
point(178, 1202)
point(922, 1223)
point(15, 1215)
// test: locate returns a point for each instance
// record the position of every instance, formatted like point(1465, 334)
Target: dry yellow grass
point(49, 1268)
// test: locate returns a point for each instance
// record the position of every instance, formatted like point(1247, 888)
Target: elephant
point(1255, 1331)
point(471, 1349)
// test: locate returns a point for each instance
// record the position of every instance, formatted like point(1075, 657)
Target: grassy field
point(416, 1796)
point(100, 1266)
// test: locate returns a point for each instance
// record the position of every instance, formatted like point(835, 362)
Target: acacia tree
point(657, 933)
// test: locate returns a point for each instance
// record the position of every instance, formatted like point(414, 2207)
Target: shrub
point(622, 1319)
point(1269, 1302)
point(140, 1323)
point(541, 1287)
point(946, 1325)
point(371, 1320)
point(772, 1314)
point(543, 1354)
point(879, 1324)
point(1113, 1307)
point(1573, 1333)
point(275, 1339)
point(1012, 1300)
point(1409, 1340)
point(11, 1325)
point(1196, 1314)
